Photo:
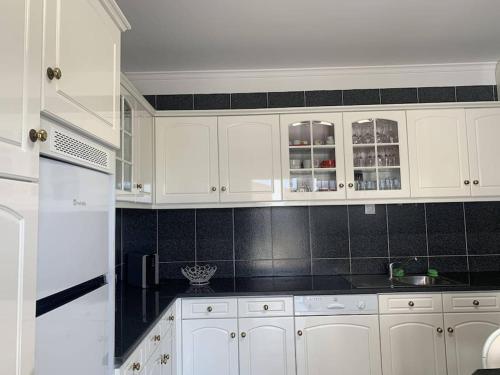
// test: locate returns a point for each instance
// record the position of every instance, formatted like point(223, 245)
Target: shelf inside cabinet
point(300, 170)
point(301, 147)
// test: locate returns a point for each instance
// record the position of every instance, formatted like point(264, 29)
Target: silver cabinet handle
point(243, 334)
point(213, 188)
point(439, 330)
point(450, 330)
point(466, 182)
point(233, 335)
point(223, 188)
point(209, 309)
point(299, 332)
point(136, 366)
point(475, 302)
point(475, 182)
point(350, 184)
point(341, 185)
point(411, 303)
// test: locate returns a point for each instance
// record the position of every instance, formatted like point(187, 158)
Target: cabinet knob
point(466, 182)
point(266, 307)
point(223, 188)
point(243, 334)
point(475, 182)
point(341, 185)
point(164, 359)
point(54, 73)
point(411, 303)
point(439, 330)
point(38, 135)
point(233, 335)
point(450, 330)
point(156, 338)
point(475, 302)
point(299, 332)
point(138, 186)
point(350, 184)
point(209, 309)
point(171, 317)
point(213, 188)
point(136, 366)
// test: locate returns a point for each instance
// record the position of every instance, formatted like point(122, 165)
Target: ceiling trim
point(129, 86)
point(339, 78)
point(116, 14)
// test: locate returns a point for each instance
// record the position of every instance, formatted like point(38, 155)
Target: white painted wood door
point(347, 345)
point(210, 347)
point(376, 155)
point(412, 345)
point(439, 164)
point(166, 348)
point(267, 346)
point(20, 38)
point(143, 156)
point(154, 365)
point(483, 133)
point(18, 231)
point(82, 40)
point(306, 172)
point(187, 168)
point(249, 158)
point(466, 334)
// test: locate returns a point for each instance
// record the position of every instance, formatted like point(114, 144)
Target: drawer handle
point(243, 334)
point(266, 307)
point(450, 330)
point(299, 332)
point(233, 335)
point(54, 73)
point(439, 330)
point(156, 338)
point(136, 366)
point(209, 309)
point(411, 303)
point(171, 317)
point(475, 302)
point(164, 359)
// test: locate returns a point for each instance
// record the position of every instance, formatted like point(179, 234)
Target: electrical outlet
point(369, 209)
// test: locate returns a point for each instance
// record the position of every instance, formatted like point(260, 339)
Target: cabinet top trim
point(351, 108)
point(116, 14)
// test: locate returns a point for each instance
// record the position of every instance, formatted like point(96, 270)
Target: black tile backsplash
point(249, 100)
point(436, 94)
point(174, 102)
point(212, 101)
point(320, 98)
point(361, 97)
point(318, 240)
point(399, 95)
point(475, 93)
point(286, 99)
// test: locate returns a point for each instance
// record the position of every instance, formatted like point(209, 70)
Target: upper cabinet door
point(437, 141)
point(81, 48)
point(483, 133)
point(20, 37)
point(143, 155)
point(312, 156)
point(186, 160)
point(376, 155)
point(249, 158)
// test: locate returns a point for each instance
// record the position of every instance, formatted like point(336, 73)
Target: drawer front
point(470, 302)
point(135, 363)
point(410, 303)
point(152, 341)
point(209, 308)
point(268, 306)
point(169, 319)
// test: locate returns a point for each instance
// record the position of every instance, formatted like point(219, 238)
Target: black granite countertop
point(138, 310)
point(487, 372)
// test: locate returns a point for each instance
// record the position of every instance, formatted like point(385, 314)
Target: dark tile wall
point(324, 98)
point(318, 240)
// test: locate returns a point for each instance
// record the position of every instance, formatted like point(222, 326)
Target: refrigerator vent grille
point(71, 146)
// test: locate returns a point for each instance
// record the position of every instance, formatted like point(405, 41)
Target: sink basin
point(416, 280)
point(383, 281)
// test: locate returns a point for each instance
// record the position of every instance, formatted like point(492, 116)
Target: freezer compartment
point(76, 337)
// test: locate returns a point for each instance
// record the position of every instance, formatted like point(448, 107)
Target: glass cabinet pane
point(127, 147)
point(127, 116)
point(127, 177)
point(119, 175)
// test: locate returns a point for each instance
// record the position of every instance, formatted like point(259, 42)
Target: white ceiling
point(180, 35)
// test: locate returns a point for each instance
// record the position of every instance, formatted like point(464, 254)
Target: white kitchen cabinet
point(312, 156)
point(376, 155)
point(483, 133)
point(466, 334)
point(267, 346)
point(348, 345)
point(18, 231)
point(413, 344)
point(143, 156)
point(20, 38)
point(154, 365)
point(249, 158)
point(437, 142)
point(210, 347)
point(187, 167)
point(81, 65)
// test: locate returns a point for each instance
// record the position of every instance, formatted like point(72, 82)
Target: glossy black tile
point(410, 265)
point(372, 266)
point(329, 232)
point(225, 268)
point(176, 235)
point(212, 101)
point(483, 227)
point(151, 99)
point(138, 231)
point(290, 232)
point(327, 267)
point(361, 97)
point(449, 263)
point(292, 267)
point(252, 233)
point(214, 234)
point(407, 231)
point(495, 93)
point(320, 98)
point(172, 270)
point(398, 95)
point(368, 232)
point(254, 268)
point(174, 102)
point(445, 229)
point(475, 93)
point(484, 263)
point(249, 100)
point(436, 94)
point(118, 236)
point(286, 99)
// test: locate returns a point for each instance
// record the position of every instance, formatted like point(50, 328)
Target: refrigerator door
point(74, 216)
point(75, 338)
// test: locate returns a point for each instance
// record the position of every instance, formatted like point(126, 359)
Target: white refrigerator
point(75, 298)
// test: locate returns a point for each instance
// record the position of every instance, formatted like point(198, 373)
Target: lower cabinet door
point(344, 345)
point(466, 334)
point(153, 366)
point(413, 344)
point(267, 346)
point(210, 347)
point(166, 355)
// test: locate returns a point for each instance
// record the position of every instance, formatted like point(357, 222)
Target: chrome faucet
point(393, 264)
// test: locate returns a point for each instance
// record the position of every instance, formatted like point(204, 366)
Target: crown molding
point(342, 78)
point(116, 14)
point(129, 86)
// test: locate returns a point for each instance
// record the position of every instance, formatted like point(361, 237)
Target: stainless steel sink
point(383, 281)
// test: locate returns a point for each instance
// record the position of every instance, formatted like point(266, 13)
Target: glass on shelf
point(127, 117)
point(389, 179)
point(363, 132)
point(387, 131)
point(300, 158)
point(364, 156)
point(324, 158)
point(325, 181)
point(301, 182)
point(388, 156)
point(323, 133)
point(299, 134)
point(365, 179)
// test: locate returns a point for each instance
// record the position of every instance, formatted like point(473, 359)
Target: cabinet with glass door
point(124, 159)
point(312, 156)
point(376, 155)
